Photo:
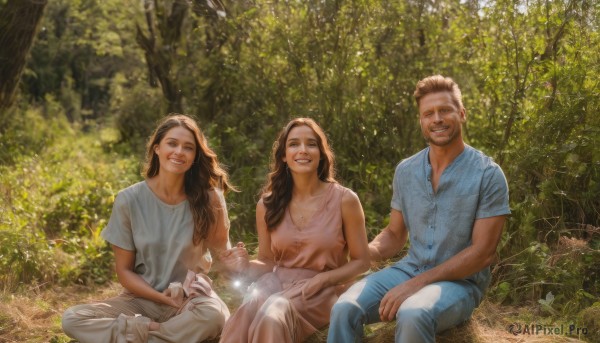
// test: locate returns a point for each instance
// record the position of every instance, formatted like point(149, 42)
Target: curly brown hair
point(204, 175)
point(277, 192)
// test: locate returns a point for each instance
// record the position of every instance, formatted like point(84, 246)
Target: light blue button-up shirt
point(440, 223)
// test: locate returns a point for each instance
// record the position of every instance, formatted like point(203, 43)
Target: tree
point(19, 21)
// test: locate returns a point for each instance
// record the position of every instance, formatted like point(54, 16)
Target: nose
point(437, 116)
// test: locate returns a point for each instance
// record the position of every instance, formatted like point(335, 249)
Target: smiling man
point(451, 201)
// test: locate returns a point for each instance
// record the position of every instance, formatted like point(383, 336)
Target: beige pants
point(125, 318)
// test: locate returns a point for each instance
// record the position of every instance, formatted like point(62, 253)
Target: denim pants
point(434, 308)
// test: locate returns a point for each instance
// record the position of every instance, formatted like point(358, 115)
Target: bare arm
point(265, 262)
point(390, 240)
point(218, 237)
point(353, 220)
point(133, 282)
point(480, 254)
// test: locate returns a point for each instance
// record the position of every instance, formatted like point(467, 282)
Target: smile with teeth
point(303, 160)
point(439, 129)
point(176, 161)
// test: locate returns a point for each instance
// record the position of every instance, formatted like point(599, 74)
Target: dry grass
point(35, 317)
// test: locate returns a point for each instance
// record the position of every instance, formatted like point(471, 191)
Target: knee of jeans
point(414, 317)
point(346, 310)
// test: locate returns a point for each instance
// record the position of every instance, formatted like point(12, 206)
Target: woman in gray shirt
point(163, 231)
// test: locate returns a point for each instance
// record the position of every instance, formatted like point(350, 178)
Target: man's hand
point(392, 300)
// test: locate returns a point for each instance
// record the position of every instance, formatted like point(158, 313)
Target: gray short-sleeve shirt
point(160, 235)
point(440, 223)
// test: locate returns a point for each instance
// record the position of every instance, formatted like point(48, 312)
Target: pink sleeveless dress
point(275, 310)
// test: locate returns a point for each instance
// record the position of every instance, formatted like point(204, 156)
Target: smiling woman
point(176, 151)
point(311, 242)
point(163, 231)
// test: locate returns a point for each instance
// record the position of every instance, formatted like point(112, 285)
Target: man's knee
point(346, 310)
point(414, 317)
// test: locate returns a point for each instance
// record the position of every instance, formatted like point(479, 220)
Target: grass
point(34, 316)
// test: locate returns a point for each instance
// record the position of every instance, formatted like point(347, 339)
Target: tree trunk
point(160, 49)
point(19, 21)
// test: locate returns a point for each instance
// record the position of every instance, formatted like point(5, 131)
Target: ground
point(34, 316)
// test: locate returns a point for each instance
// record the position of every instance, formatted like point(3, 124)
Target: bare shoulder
point(349, 197)
point(260, 206)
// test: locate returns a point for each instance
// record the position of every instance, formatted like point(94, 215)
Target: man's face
point(441, 120)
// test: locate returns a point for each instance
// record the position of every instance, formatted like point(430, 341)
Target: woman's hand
point(173, 300)
point(314, 285)
point(235, 260)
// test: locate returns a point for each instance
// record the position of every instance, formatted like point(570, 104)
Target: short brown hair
point(435, 84)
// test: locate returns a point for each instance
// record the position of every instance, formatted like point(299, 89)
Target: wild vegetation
point(100, 73)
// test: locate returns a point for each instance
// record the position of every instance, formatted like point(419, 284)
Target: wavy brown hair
point(204, 175)
point(277, 192)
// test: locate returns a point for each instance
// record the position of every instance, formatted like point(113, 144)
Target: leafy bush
point(54, 206)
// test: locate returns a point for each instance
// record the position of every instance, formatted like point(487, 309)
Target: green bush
point(54, 205)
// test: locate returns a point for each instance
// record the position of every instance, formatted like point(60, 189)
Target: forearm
point(385, 245)
point(345, 273)
point(460, 266)
point(480, 254)
point(135, 284)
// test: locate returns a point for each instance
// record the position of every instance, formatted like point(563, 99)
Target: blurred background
point(83, 83)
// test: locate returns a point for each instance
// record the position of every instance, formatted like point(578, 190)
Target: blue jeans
point(434, 308)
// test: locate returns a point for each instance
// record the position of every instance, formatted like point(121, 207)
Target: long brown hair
point(277, 192)
point(204, 175)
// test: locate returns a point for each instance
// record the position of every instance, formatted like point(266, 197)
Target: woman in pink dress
point(311, 243)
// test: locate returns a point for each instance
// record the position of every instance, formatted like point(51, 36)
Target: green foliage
point(54, 205)
point(528, 72)
point(81, 45)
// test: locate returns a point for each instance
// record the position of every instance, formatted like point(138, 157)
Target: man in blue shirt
point(451, 200)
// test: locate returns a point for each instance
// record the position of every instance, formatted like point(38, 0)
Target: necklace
point(302, 213)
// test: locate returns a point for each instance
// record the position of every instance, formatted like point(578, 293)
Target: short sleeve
point(222, 231)
point(397, 203)
point(494, 194)
point(118, 231)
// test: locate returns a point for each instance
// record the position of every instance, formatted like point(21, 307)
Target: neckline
point(160, 201)
point(317, 213)
point(429, 170)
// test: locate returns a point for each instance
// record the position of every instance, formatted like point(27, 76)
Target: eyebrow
point(297, 139)
point(177, 140)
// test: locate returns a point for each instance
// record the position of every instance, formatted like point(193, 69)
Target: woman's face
point(302, 153)
point(176, 151)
